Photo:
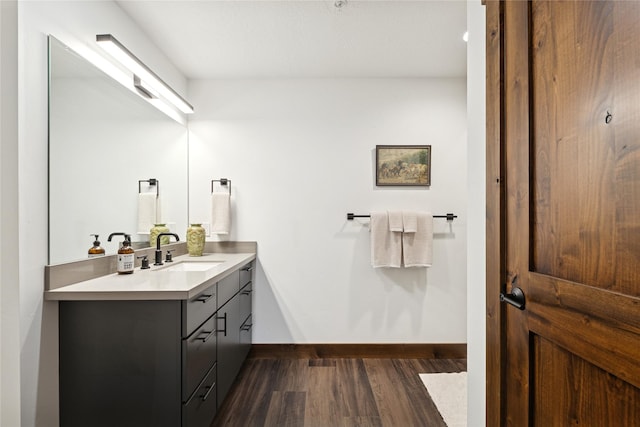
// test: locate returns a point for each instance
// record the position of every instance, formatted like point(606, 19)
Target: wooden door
point(566, 139)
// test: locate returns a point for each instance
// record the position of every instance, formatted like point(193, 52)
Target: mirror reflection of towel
point(220, 213)
point(148, 212)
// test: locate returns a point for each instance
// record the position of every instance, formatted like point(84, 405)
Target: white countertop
point(155, 283)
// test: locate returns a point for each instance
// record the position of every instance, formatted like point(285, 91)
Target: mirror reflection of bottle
point(96, 250)
point(126, 257)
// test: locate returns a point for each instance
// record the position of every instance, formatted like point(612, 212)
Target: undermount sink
point(191, 266)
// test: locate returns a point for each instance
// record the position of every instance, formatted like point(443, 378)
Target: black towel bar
point(449, 216)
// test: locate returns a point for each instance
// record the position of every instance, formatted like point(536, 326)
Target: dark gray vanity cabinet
point(138, 363)
point(153, 363)
point(233, 312)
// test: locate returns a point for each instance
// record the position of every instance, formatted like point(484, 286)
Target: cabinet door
point(229, 361)
point(120, 363)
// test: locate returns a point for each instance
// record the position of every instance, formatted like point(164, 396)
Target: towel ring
point(223, 182)
point(152, 183)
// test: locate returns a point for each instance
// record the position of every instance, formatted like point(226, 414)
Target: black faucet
point(115, 234)
point(158, 251)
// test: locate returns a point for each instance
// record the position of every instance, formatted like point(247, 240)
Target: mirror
point(103, 139)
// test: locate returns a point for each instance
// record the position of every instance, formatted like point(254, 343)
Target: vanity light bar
point(146, 90)
point(144, 73)
point(153, 98)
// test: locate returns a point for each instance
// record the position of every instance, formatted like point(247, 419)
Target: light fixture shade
point(142, 72)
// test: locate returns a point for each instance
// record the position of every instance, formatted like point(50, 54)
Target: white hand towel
point(417, 247)
point(410, 221)
point(386, 245)
point(159, 211)
point(220, 213)
point(395, 220)
point(147, 211)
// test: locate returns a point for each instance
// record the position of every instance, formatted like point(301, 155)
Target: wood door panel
point(620, 311)
point(585, 208)
point(614, 350)
point(516, 109)
point(585, 183)
point(574, 198)
point(495, 272)
point(568, 110)
point(626, 118)
point(586, 395)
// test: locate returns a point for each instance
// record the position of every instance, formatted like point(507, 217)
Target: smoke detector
point(339, 4)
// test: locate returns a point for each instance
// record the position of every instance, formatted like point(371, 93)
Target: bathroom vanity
point(160, 347)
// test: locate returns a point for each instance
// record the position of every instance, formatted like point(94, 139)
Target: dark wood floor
point(333, 393)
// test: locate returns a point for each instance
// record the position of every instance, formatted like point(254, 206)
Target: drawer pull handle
point(204, 298)
point(206, 337)
point(246, 292)
point(225, 324)
point(249, 268)
point(209, 389)
point(246, 327)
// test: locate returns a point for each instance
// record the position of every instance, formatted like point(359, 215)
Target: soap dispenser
point(96, 250)
point(126, 257)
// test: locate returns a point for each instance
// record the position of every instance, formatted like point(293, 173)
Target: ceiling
point(307, 38)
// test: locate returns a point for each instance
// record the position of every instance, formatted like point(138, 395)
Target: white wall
point(300, 154)
point(76, 24)
point(476, 260)
point(9, 285)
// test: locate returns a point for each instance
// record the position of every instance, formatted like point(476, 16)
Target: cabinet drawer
point(245, 330)
point(198, 309)
point(246, 272)
point(198, 356)
point(200, 410)
point(245, 338)
point(228, 287)
point(245, 301)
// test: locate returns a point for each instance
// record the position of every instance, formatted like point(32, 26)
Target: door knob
point(515, 298)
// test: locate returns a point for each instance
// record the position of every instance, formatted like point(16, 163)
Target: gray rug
point(449, 392)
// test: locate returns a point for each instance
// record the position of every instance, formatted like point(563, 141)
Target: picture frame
point(403, 165)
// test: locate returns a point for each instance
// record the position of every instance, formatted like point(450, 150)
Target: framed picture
point(403, 165)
